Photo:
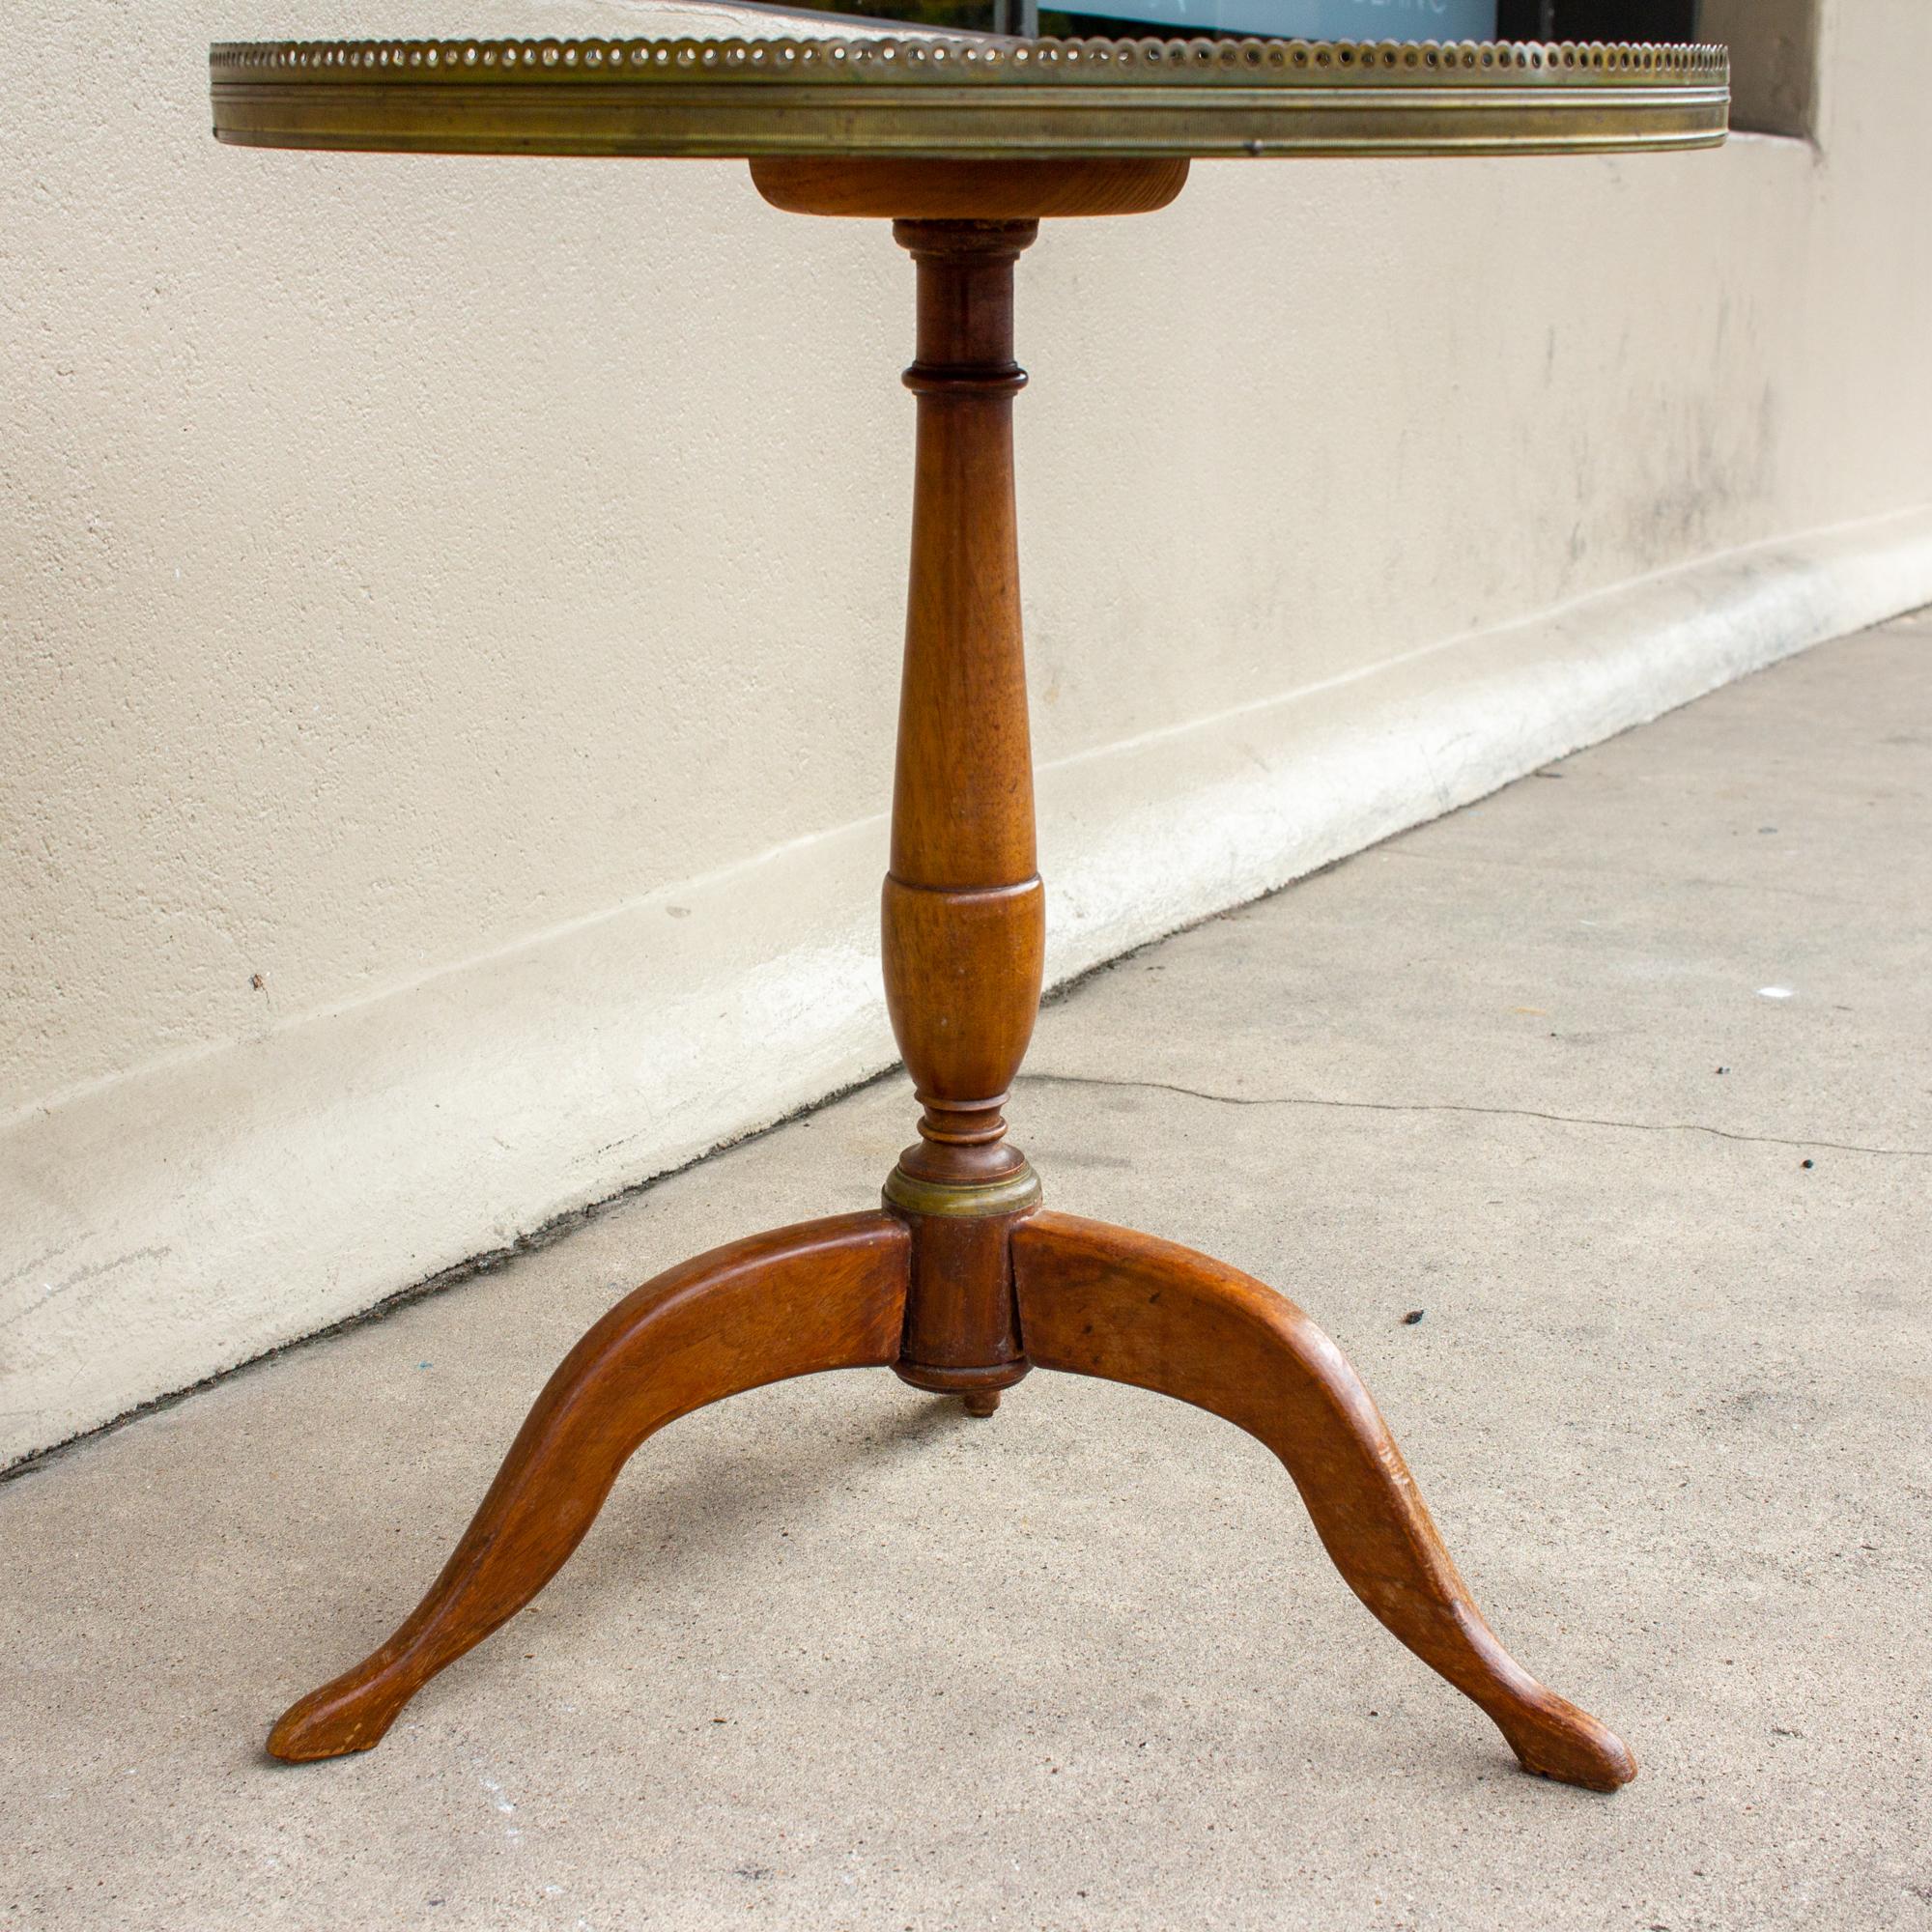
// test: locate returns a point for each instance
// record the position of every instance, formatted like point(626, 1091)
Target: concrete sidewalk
point(1622, 1077)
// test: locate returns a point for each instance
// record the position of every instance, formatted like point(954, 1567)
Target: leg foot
point(1101, 1301)
point(826, 1295)
point(983, 1402)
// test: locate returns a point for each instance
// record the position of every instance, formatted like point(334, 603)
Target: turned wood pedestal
point(961, 1282)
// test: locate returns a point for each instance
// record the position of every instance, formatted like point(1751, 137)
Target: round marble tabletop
point(965, 96)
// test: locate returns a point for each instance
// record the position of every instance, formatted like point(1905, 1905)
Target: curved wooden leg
point(825, 1294)
point(1102, 1301)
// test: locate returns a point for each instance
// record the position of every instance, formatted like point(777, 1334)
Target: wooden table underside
point(961, 1282)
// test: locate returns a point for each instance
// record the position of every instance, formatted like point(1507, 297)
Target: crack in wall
point(1461, 1107)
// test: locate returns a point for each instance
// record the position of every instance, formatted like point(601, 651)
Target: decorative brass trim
point(965, 98)
point(1040, 61)
point(1019, 1194)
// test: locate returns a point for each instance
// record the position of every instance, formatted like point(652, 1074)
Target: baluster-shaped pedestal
point(964, 912)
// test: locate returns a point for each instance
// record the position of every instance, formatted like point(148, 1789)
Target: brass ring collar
point(1016, 1194)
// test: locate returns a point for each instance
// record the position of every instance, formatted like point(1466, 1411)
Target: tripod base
point(1090, 1300)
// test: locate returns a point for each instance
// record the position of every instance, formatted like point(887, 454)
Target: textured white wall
point(464, 596)
point(1773, 48)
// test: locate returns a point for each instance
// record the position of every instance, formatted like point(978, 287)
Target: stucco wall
point(1773, 48)
point(451, 616)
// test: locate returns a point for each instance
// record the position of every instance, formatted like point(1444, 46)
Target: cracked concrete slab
point(1621, 1078)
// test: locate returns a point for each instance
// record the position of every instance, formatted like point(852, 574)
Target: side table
point(961, 1281)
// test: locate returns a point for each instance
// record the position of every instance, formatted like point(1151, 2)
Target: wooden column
point(964, 912)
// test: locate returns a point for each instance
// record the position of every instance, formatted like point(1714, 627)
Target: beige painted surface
point(1773, 48)
point(463, 595)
